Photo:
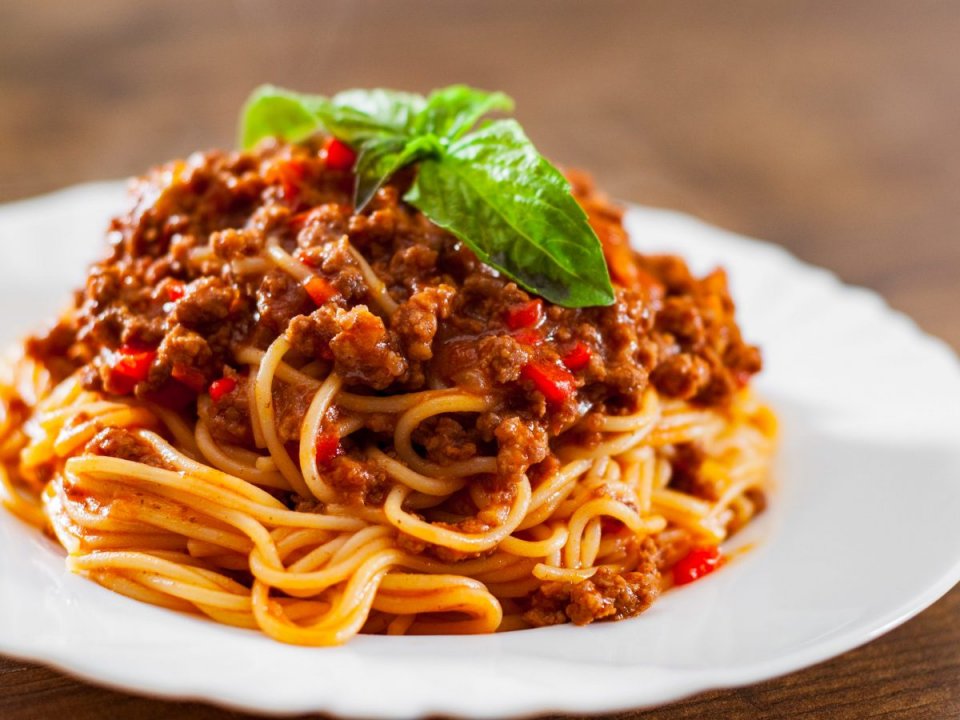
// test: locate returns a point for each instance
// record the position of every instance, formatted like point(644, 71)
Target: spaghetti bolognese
point(286, 413)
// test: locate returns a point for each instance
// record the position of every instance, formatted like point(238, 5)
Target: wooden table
point(829, 128)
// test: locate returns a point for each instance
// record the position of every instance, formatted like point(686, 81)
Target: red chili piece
point(175, 290)
point(289, 174)
point(189, 376)
point(339, 155)
point(528, 337)
point(134, 363)
point(698, 562)
point(526, 315)
point(553, 381)
point(319, 290)
point(221, 387)
point(328, 447)
point(578, 357)
point(130, 366)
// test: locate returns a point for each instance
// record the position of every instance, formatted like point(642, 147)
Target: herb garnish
point(488, 186)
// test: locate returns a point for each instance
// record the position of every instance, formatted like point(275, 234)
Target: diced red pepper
point(189, 376)
point(134, 363)
point(289, 174)
point(339, 155)
point(130, 366)
point(578, 357)
point(319, 290)
point(120, 384)
point(221, 387)
point(698, 562)
point(528, 337)
point(328, 447)
point(175, 290)
point(526, 315)
point(553, 381)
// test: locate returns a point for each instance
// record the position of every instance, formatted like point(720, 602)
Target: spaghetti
point(288, 416)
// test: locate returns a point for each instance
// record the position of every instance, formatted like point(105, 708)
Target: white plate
point(862, 533)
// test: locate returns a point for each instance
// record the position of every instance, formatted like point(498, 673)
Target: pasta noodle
point(173, 536)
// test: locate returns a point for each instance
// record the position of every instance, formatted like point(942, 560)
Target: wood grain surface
point(830, 128)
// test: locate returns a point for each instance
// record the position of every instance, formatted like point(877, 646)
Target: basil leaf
point(353, 116)
point(494, 191)
point(274, 112)
point(452, 111)
point(381, 158)
point(378, 159)
point(490, 187)
point(359, 114)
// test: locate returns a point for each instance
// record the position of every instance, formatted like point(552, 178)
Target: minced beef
point(607, 595)
point(123, 444)
point(187, 284)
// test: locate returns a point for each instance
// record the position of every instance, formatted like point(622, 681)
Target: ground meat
point(413, 261)
point(290, 405)
point(335, 262)
point(672, 271)
point(323, 223)
point(721, 386)
point(229, 417)
point(758, 497)
point(679, 316)
point(356, 340)
point(363, 349)
point(279, 300)
point(410, 544)
point(626, 377)
point(687, 476)
point(310, 335)
point(681, 376)
point(234, 244)
point(188, 283)
point(743, 360)
point(207, 300)
point(521, 444)
point(445, 440)
point(54, 349)
point(359, 482)
point(183, 348)
point(123, 444)
point(503, 357)
point(415, 322)
point(605, 596)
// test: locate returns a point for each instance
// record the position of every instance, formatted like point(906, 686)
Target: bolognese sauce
point(224, 253)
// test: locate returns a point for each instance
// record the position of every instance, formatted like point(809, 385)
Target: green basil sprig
point(488, 186)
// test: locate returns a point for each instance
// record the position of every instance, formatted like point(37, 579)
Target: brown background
point(831, 128)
